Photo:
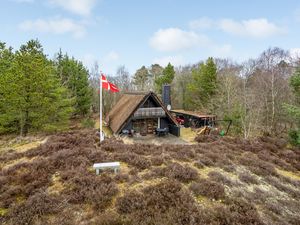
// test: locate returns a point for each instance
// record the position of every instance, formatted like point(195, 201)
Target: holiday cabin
point(143, 113)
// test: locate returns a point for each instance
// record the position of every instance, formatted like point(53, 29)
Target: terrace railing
point(149, 112)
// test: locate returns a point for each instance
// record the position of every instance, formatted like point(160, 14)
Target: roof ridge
point(137, 92)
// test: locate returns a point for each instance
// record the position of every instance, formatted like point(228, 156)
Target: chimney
point(166, 95)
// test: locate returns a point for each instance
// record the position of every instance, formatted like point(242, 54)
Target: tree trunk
point(273, 104)
point(26, 124)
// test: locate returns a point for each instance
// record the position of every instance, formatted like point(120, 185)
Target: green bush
point(88, 123)
point(294, 137)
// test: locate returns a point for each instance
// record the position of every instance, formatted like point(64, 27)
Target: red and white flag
point(110, 87)
point(107, 85)
point(113, 88)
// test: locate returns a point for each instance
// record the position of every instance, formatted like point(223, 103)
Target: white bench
point(108, 165)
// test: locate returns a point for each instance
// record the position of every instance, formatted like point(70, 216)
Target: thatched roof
point(127, 105)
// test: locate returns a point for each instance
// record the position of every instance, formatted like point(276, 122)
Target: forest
point(40, 93)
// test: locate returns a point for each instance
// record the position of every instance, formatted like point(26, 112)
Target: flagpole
point(101, 135)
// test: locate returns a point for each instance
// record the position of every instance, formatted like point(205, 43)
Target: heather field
point(216, 181)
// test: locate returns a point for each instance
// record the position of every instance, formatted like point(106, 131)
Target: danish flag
point(107, 85)
point(113, 88)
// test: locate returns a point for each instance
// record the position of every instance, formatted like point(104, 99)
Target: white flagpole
point(101, 134)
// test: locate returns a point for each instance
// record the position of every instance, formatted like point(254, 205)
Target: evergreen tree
point(203, 85)
point(8, 96)
point(74, 76)
point(33, 96)
point(167, 77)
point(294, 110)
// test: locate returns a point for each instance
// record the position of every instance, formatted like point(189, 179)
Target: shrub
point(206, 161)
point(179, 172)
point(242, 212)
point(88, 123)
point(199, 164)
point(206, 138)
point(157, 160)
point(110, 218)
point(257, 166)
point(164, 203)
point(140, 162)
point(25, 199)
point(208, 189)
point(183, 154)
point(294, 137)
point(130, 202)
point(88, 188)
point(122, 177)
point(229, 168)
point(219, 178)
point(248, 178)
point(35, 207)
point(282, 187)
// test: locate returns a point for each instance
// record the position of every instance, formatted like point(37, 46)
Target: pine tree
point(74, 76)
point(8, 95)
point(166, 78)
point(203, 85)
point(294, 110)
point(33, 96)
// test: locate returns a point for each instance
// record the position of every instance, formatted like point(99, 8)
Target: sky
point(134, 33)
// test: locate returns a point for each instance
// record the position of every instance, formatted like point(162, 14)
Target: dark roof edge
point(137, 92)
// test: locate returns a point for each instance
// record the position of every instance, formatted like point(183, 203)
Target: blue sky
point(139, 32)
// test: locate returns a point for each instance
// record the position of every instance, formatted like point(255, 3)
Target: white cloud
point(175, 39)
point(176, 60)
point(257, 28)
point(55, 26)
point(201, 23)
point(111, 56)
point(80, 7)
point(295, 53)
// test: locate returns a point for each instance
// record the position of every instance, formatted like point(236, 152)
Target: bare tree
point(94, 83)
point(123, 79)
point(251, 108)
point(271, 78)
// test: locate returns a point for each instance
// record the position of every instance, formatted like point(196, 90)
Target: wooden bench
point(108, 165)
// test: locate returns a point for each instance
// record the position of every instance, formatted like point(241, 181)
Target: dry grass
point(56, 186)
point(289, 174)
point(188, 134)
point(107, 131)
point(26, 147)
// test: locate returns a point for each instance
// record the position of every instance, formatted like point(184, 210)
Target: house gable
point(123, 112)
